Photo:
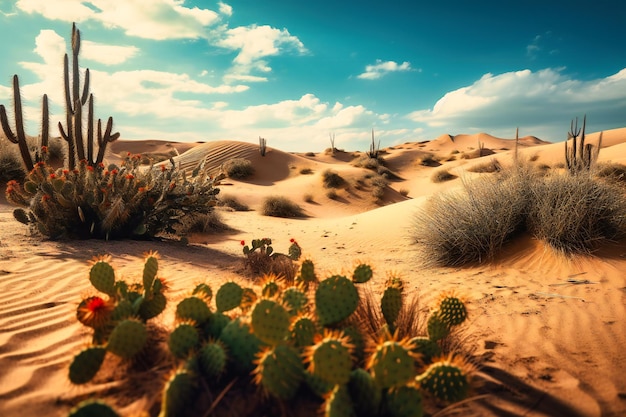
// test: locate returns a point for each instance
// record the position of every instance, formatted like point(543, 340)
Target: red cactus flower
point(130, 177)
point(163, 168)
point(45, 197)
point(89, 168)
point(142, 189)
point(114, 172)
point(292, 240)
point(66, 171)
point(101, 165)
point(53, 176)
point(94, 311)
point(243, 242)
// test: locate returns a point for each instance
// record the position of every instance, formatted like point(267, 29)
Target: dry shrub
point(232, 203)
point(306, 171)
point(332, 194)
point(428, 160)
point(612, 172)
point(442, 175)
point(404, 192)
point(332, 179)
point(486, 167)
point(238, 168)
point(205, 223)
point(308, 198)
point(277, 206)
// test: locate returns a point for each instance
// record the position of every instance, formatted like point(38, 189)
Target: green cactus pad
point(86, 364)
point(127, 338)
point(270, 321)
point(279, 371)
point(362, 387)
point(391, 305)
point(404, 401)
point(306, 276)
point(338, 403)
point(152, 307)
point(446, 381)
point(228, 296)
point(303, 331)
point(123, 310)
point(248, 298)
point(183, 339)
point(356, 339)
point(102, 277)
point(392, 364)
point(93, 408)
point(212, 360)
point(452, 311)
point(150, 269)
point(336, 298)
point(241, 344)
point(331, 358)
point(295, 300)
point(193, 308)
point(316, 384)
point(212, 328)
point(425, 347)
point(204, 291)
point(362, 273)
point(437, 328)
point(270, 288)
point(178, 394)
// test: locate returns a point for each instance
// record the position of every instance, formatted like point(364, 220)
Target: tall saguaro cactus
point(75, 99)
point(19, 136)
point(580, 156)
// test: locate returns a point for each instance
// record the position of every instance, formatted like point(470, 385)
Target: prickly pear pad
point(437, 328)
point(392, 364)
point(336, 298)
point(404, 401)
point(452, 311)
point(446, 380)
point(183, 339)
point(362, 273)
point(213, 359)
point(127, 338)
point(331, 358)
point(279, 371)
point(270, 321)
point(391, 304)
point(86, 364)
point(193, 308)
point(102, 276)
point(150, 270)
point(228, 296)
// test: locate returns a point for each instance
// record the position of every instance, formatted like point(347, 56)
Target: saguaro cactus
point(580, 156)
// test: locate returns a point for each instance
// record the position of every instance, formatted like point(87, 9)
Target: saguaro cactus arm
point(106, 139)
point(19, 136)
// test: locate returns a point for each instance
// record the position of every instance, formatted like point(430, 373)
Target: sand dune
point(548, 331)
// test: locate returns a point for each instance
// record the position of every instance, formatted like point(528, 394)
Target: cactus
point(242, 345)
point(425, 347)
point(336, 298)
point(362, 387)
point(452, 310)
point(337, 403)
point(95, 312)
point(306, 276)
point(303, 331)
point(150, 270)
point(270, 285)
point(127, 338)
point(102, 275)
point(204, 291)
point(404, 401)
point(193, 308)
point(437, 328)
point(183, 339)
point(213, 327)
point(178, 394)
point(152, 306)
point(391, 303)
point(228, 296)
point(392, 363)
point(362, 273)
point(248, 298)
point(331, 357)
point(270, 321)
point(91, 408)
point(580, 156)
point(295, 300)
point(213, 359)
point(86, 364)
point(447, 379)
point(279, 371)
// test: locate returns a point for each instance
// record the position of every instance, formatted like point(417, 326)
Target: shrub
point(308, 198)
point(404, 192)
point(204, 223)
point(486, 167)
point(573, 213)
point(238, 168)
point(612, 172)
point(332, 179)
point(332, 194)
point(306, 171)
point(281, 207)
point(11, 167)
point(233, 203)
point(428, 160)
point(442, 175)
point(262, 259)
point(366, 161)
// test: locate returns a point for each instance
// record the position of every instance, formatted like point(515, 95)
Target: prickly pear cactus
point(306, 276)
point(86, 364)
point(127, 338)
point(204, 291)
point(150, 269)
point(193, 308)
point(303, 331)
point(213, 327)
point(391, 305)
point(336, 298)
point(102, 276)
point(279, 371)
point(404, 401)
point(93, 408)
point(362, 273)
point(271, 285)
point(270, 321)
point(248, 298)
point(295, 300)
point(337, 403)
point(452, 310)
point(425, 347)
point(437, 328)
point(228, 296)
point(241, 344)
point(183, 340)
point(95, 312)
point(447, 380)
point(212, 360)
point(152, 306)
point(331, 358)
point(363, 387)
point(179, 392)
point(392, 363)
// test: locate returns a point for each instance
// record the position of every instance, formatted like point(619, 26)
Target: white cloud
point(107, 54)
point(380, 69)
point(64, 10)
point(225, 9)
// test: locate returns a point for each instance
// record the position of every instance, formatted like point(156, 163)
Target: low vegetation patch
point(442, 175)
point(232, 203)
point(238, 168)
point(277, 206)
point(331, 179)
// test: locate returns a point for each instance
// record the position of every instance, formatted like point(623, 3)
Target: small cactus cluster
point(261, 257)
point(288, 339)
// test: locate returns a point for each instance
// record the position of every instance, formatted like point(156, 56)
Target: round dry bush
point(238, 168)
point(204, 223)
point(332, 179)
point(612, 172)
point(442, 175)
point(486, 167)
point(233, 203)
point(276, 206)
point(366, 161)
point(306, 171)
point(577, 213)
point(470, 225)
point(11, 167)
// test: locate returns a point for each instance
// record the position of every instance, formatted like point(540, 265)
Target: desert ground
point(546, 332)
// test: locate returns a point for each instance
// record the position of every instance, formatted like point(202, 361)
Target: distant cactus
point(580, 156)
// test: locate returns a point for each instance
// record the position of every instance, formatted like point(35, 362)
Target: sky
point(297, 72)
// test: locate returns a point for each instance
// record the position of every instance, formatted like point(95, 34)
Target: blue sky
point(296, 71)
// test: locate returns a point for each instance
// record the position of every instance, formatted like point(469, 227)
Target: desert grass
point(306, 171)
point(232, 203)
point(488, 167)
point(308, 198)
point(238, 168)
point(278, 206)
point(332, 179)
point(205, 223)
point(442, 175)
point(613, 172)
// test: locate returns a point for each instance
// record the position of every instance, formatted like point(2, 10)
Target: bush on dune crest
point(276, 206)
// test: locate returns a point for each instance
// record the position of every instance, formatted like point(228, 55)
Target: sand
point(548, 332)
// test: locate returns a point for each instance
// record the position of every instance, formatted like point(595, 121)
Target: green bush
point(277, 206)
point(238, 168)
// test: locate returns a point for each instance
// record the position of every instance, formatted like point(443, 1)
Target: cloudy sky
point(295, 72)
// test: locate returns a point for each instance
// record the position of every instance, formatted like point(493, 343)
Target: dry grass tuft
point(277, 206)
point(238, 168)
point(442, 175)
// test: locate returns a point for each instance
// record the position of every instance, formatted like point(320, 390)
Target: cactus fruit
point(212, 359)
point(193, 308)
point(331, 357)
point(336, 298)
point(204, 291)
point(337, 403)
point(94, 312)
point(183, 339)
point(295, 300)
point(404, 401)
point(228, 296)
point(86, 364)
point(446, 379)
point(437, 328)
point(391, 304)
point(150, 270)
point(362, 273)
point(93, 408)
point(127, 338)
point(362, 387)
point(279, 371)
point(306, 276)
point(452, 310)
point(270, 321)
point(102, 275)
point(178, 394)
point(425, 347)
point(392, 363)
point(242, 345)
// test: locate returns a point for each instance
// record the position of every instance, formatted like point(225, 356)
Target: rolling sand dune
point(549, 332)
